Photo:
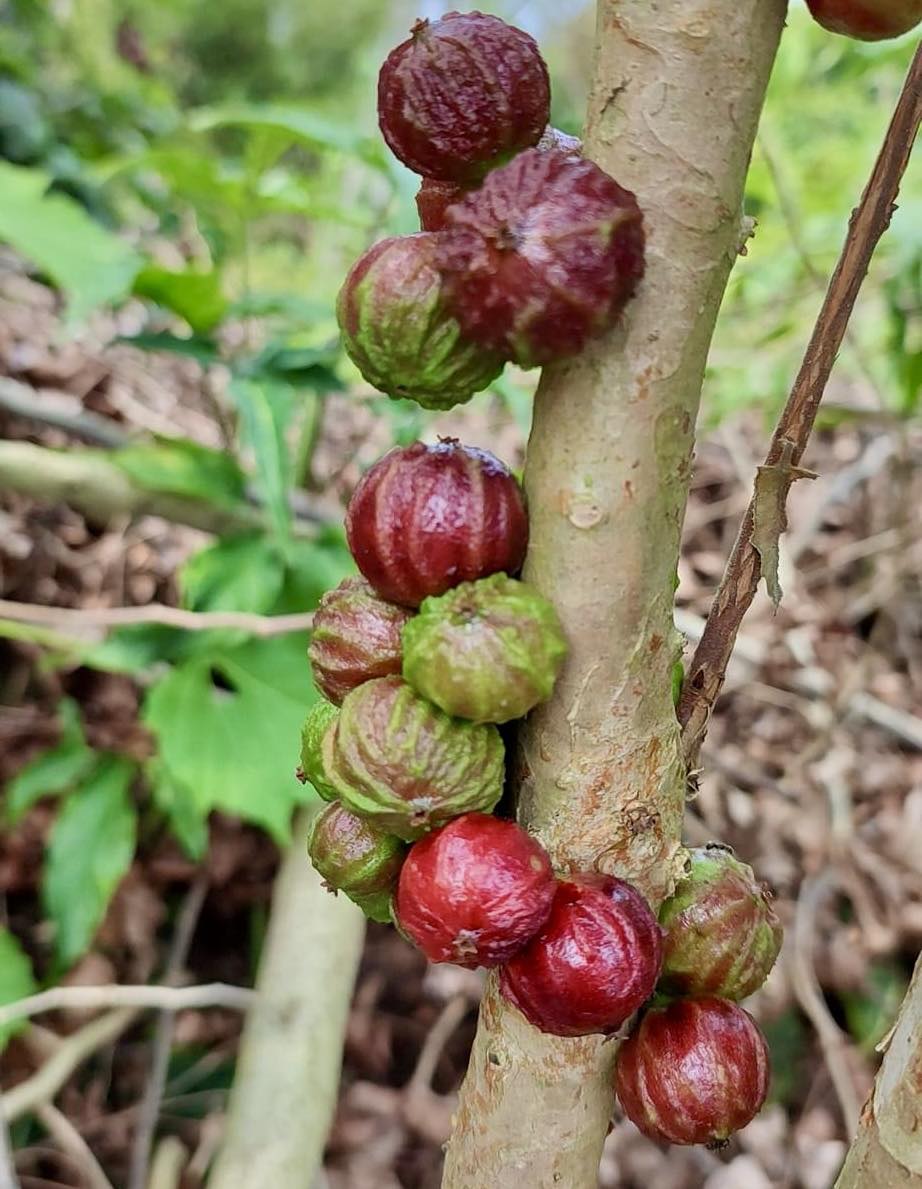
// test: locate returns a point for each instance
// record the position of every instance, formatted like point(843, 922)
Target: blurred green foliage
point(221, 165)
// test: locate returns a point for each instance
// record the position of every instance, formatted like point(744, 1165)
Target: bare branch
point(127, 996)
point(77, 621)
point(72, 1142)
point(868, 223)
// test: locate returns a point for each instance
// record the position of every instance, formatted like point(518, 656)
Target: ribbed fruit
point(356, 858)
point(693, 1072)
point(399, 333)
point(403, 764)
point(867, 20)
point(425, 518)
point(593, 964)
point(722, 934)
point(462, 94)
point(475, 891)
point(316, 740)
point(543, 256)
point(356, 636)
point(489, 650)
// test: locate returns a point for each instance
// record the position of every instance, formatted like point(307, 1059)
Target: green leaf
point(177, 802)
point(194, 296)
point(55, 771)
point(204, 350)
point(91, 847)
point(299, 123)
point(91, 266)
point(16, 980)
point(301, 367)
point(242, 573)
point(137, 647)
point(228, 729)
point(313, 568)
point(180, 467)
point(265, 410)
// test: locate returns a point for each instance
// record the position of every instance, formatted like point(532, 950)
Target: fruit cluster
point(526, 250)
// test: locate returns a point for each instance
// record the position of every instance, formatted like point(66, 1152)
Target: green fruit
point(316, 738)
point(407, 767)
point(722, 934)
point(356, 858)
point(398, 333)
point(488, 650)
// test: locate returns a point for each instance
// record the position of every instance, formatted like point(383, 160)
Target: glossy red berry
point(462, 94)
point(474, 892)
point(593, 964)
point(542, 256)
point(693, 1072)
point(867, 20)
point(425, 518)
point(356, 636)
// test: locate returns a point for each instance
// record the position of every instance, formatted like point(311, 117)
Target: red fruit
point(593, 964)
point(433, 199)
point(474, 892)
point(462, 94)
point(867, 20)
point(356, 637)
point(693, 1072)
point(425, 518)
point(541, 257)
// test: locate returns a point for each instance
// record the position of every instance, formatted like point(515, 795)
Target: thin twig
point(163, 1037)
point(72, 1142)
point(808, 993)
point(169, 1161)
point(45, 1084)
point(62, 410)
point(440, 1033)
point(741, 576)
point(78, 620)
point(128, 996)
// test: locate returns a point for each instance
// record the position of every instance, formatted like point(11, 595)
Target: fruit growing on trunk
point(406, 766)
point(593, 964)
point(433, 198)
point(474, 892)
point(316, 740)
point(722, 934)
point(356, 636)
point(425, 518)
point(541, 257)
point(399, 333)
point(356, 858)
point(867, 20)
point(693, 1072)
point(487, 650)
point(462, 94)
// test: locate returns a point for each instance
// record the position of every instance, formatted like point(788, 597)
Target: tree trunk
point(887, 1151)
point(675, 102)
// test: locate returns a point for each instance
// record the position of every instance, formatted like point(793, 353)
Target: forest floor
point(812, 772)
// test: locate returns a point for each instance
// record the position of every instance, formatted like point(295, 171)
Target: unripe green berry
point(356, 858)
point(722, 934)
point(488, 650)
point(316, 737)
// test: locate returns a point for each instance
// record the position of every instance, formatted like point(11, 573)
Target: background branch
point(734, 596)
point(290, 1057)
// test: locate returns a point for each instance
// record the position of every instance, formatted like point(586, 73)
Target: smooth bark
point(675, 102)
